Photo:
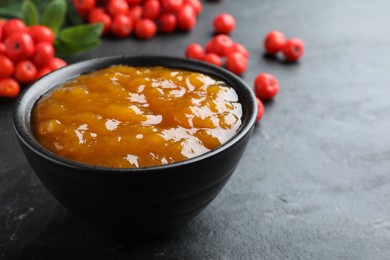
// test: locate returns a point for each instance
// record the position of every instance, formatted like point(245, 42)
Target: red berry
point(117, 7)
point(196, 4)
point(210, 47)
point(1, 32)
point(237, 47)
point(40, 33)
point(293, 49)
point(186, 18)
point(6, 67)
point(9, 88)
point(166, 23)
point(134, 2)
point(135, 13)
point(19, 46)
point(56, 63)
point(42, 72)
point(25, 71)
point(84, 6)
point(224, 23)
point(122, 26)
point(94, 12)
point(266, 86)
point(151, 9)
point(222, 44)
point(260, 110)
point(236, 62)
point(274, 42)
point(44, 53)
point(145, 29)
point(195, 51)
point(13, 26)
point(103, 18)
point(2, 48)
point(213, 59)
point(171, 6)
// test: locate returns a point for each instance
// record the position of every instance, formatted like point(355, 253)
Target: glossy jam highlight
point(127, 117)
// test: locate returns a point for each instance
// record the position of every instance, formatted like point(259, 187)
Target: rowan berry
point(222, 44)
point(134, 2)
point(135, 13)
point(103, 18)
point(40, 33)
point(145, 29)
point(13, 26)
point(56, 63)
point(274, 42)
point(293, 49)
point(213, 58)
point(195, 51)
point(196, 4)
point(236, 63)
point(42, 72)
point(171, 6)
point(151, 9)
point(224, 23)
point(166, 23)
point(260, 110)
point(25, 71)
point(237, 47)
point(84, 6)
point(6, 67)
point(122, 26)
point(186, 18)
point(117, 7)
point(44, 53)
point(266, 86)
point(9, 88)
point(2, 48)
point(19, 46)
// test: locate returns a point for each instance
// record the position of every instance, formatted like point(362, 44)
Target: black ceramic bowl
point(138, 201)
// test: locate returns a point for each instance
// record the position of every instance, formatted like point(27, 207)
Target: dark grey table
point(314, 182)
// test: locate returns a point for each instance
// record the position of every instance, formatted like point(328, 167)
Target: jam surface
point(126, 117)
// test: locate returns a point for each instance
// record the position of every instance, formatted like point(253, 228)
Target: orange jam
point(136, 116)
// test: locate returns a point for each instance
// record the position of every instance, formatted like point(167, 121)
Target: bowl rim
point(20, 117)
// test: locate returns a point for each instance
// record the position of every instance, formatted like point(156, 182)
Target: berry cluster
point(275, 42)
point(144, 18)
point(221, 47)
point(26, 54)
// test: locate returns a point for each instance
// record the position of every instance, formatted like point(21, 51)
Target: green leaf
point(81, 35)
point(10, 9)
point(29, 13)
point(79, 38)
point(53, 15)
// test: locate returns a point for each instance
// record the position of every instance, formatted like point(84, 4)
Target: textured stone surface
point(314, 182)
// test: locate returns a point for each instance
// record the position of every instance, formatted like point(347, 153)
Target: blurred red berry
point(103, 18)
point(40, 33)
point(56, 63)
point(222, 44)
point(266, 86)
point(196, 4)
point(2, 48)
point(195, 51)
point(213, 59)
point(84, 6)
point(134, 2)
point(9, 88)
point(117, 7)
point(274, 42)
point(186, 18)
point(166, 23)
point(151, 9)
point(13, 26)
point(135, 13)
point(42, 72)
point(122, 26)
point(19, 46)
point(44, 53)
point(237, 47)
point(145, 29)
point(171, 6)
point(236, 63)
point(6, 67)
point(293, 49)
point(260, 110)
point(25, 71)
point(224, 23)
